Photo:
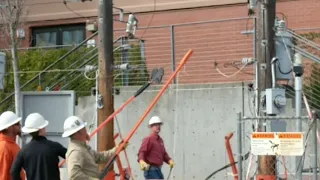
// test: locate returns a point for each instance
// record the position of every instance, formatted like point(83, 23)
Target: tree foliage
point(63, 75)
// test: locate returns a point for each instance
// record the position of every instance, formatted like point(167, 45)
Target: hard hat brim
point(69, 133)
point(31, 130)
point(161, 123)
point(10, 124)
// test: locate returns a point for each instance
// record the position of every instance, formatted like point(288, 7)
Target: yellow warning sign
point(290, 135)
point(263, 135)
point(261, 143)
point(279, 143)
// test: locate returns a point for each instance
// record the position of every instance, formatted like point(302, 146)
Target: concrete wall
point(196, 120)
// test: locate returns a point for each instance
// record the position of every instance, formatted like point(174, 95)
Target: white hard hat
point(8, 119)
point(34, 122)
point(72, 125)
point(155, 120)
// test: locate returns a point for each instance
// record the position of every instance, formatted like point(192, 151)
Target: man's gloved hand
point(124, 147)
point(143, 165)
point(171, 163)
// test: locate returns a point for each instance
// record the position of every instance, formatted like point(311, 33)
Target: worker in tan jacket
point(82, 161)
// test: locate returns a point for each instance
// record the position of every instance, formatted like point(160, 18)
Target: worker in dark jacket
point(40, 157)
point(152, 152)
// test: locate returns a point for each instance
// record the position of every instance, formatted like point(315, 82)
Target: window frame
point(59, 29)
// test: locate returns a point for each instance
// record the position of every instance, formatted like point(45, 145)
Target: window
point(58, 35)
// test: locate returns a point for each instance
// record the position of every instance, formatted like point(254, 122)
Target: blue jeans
point(153, 173)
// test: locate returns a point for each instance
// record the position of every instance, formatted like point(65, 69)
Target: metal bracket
point(264, 43)
point(263, 66)
point(99, 102)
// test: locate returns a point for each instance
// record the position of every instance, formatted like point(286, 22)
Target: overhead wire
point(43, 3)
point(80, 15)
point(151, 19)
point(48, 71)
point(229, 76)
point(57, 2)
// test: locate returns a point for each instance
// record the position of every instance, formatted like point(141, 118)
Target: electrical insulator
point(122, 66)
point(132, 24)
point(131, 18)
point(88, 68)
point(297, 59)
point(252, 4)
point(247, 61)
point(281, 26)
point(121, 15)
point(297, 65)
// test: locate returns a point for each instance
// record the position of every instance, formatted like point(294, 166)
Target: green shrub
point(31, 62)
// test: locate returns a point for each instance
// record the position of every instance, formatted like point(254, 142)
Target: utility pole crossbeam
point(105, 31)
point(265, 52)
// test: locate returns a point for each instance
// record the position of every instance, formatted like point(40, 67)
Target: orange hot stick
point(126, 140)
point(110, 118)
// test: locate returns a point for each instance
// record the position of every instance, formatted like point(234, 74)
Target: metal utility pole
point(265, 52)
point(105, 18)
point(298, 70)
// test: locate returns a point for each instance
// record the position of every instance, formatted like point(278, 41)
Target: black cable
point(154, 9)
point(279, 67)
point(245, 157)
point(65, 3)
point(301, 162)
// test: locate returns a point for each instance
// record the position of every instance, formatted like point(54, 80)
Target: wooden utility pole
point(105, 18)
point(265, 52)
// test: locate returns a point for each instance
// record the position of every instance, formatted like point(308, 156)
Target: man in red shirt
point(152, 152)
point(9, 129)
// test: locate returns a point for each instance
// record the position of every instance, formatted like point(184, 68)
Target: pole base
point(266, 177)
point(111, 176)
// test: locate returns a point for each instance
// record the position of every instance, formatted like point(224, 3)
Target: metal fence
point(217, 44)
point(284, 167)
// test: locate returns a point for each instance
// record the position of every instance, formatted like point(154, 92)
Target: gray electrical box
point(284, 54)
point(275, 101)
point(2, 69)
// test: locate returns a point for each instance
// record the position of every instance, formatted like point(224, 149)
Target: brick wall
point(219, 42)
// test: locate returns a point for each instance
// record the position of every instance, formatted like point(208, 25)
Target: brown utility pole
point(266, 14)
point(105, 19)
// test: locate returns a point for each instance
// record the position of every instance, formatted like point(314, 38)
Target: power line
point(66, 5)
point(42, 3)
point(153, 13)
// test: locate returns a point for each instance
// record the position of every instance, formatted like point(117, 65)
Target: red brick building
point(211, 27)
